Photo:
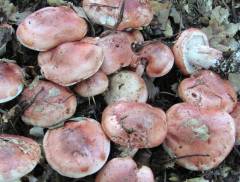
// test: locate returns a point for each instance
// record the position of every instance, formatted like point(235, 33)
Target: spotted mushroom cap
point(236, 116)
point(136, 125)
point(81, 147)
point(19, 156)
point(50, 26)
point(204, 136)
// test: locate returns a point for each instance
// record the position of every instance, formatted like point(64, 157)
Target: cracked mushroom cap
point(71, 62)
point(48, 27)
point(206, 89)
point(51, 104)
point(136, 125)
point(19, 156)
point(77, 149)
point(131, 13)
point(124, 170)
point(126, 86)
point(236, 116)
point(205, 137)
point(11, 81)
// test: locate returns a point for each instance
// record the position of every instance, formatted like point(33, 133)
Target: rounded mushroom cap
point(136, 125)
point(236, 116)
point(94, 85)
point(11, 81)
point(208, 134)
point(124, 170)
point(135, 13)
point(71, 62)
point(126, 86)
point(51, 105)
point(206, 89)
point(81, 147)
point(19, 155)
point(51, 26)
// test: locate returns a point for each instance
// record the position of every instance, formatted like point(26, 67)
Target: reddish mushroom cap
point(51, 26)
point(196, 131)
point(18, 155)
point(78, 149)
point(135, 125)
point(236, 116)
point(206, 89)
point(136, 13)
point(71, 62)
point(11, 81)
point(51, 105)
point(124, 170)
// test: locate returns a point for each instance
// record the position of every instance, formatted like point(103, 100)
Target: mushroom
point(236, 116)
point(119, 14)
point(124, 170)
point(50, 26)
point(11, 80)
point(92, 86)
point(134, 125)
point(126, 86)
point(18, 155)
point(81, 147)
point(206, 89)
point(51, 104)
point(200, 138)
point(192, 52)
point(71, 62)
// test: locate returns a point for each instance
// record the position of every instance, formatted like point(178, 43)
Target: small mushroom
point(119, 14)
point(51, 104)
point(18, 155)
point(206, 89)
point(77, 149)
point(124, 170)
point(192, 52)
point(71, 62)
point(11, 80)
point(126, 86)
point(135, 125)
point(201, 138)
point(50, 26)
point(236, 116)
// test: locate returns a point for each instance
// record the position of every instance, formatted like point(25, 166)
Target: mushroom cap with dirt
point(236, 116)
point(50, 26)
point(208, 90)
point(134, 125)
point(77, 149)
point(19, 155)
point(201, 138)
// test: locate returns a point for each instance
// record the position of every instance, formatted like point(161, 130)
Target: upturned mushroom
point(236, 116)
point(81, 147)
point(192, 52)
point(50, 26)
point(134, 125)
point(51, 104)
point(18, 155)
point(206, 89)
point(124, 170)
point(200, 138)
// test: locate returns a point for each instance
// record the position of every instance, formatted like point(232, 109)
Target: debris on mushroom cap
point(136, 125)
point(236, 116)
point(18, 155)
point(204, 136)
point(51, 26)
point(71, 62)
point(158, 57)
point(11, 80)
point(192, 52)
point(126, 86)
point(51, 104)
point(81, 147)
point(119, 14)
point(6, 32)
point(94, 85)
point(206, 89)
